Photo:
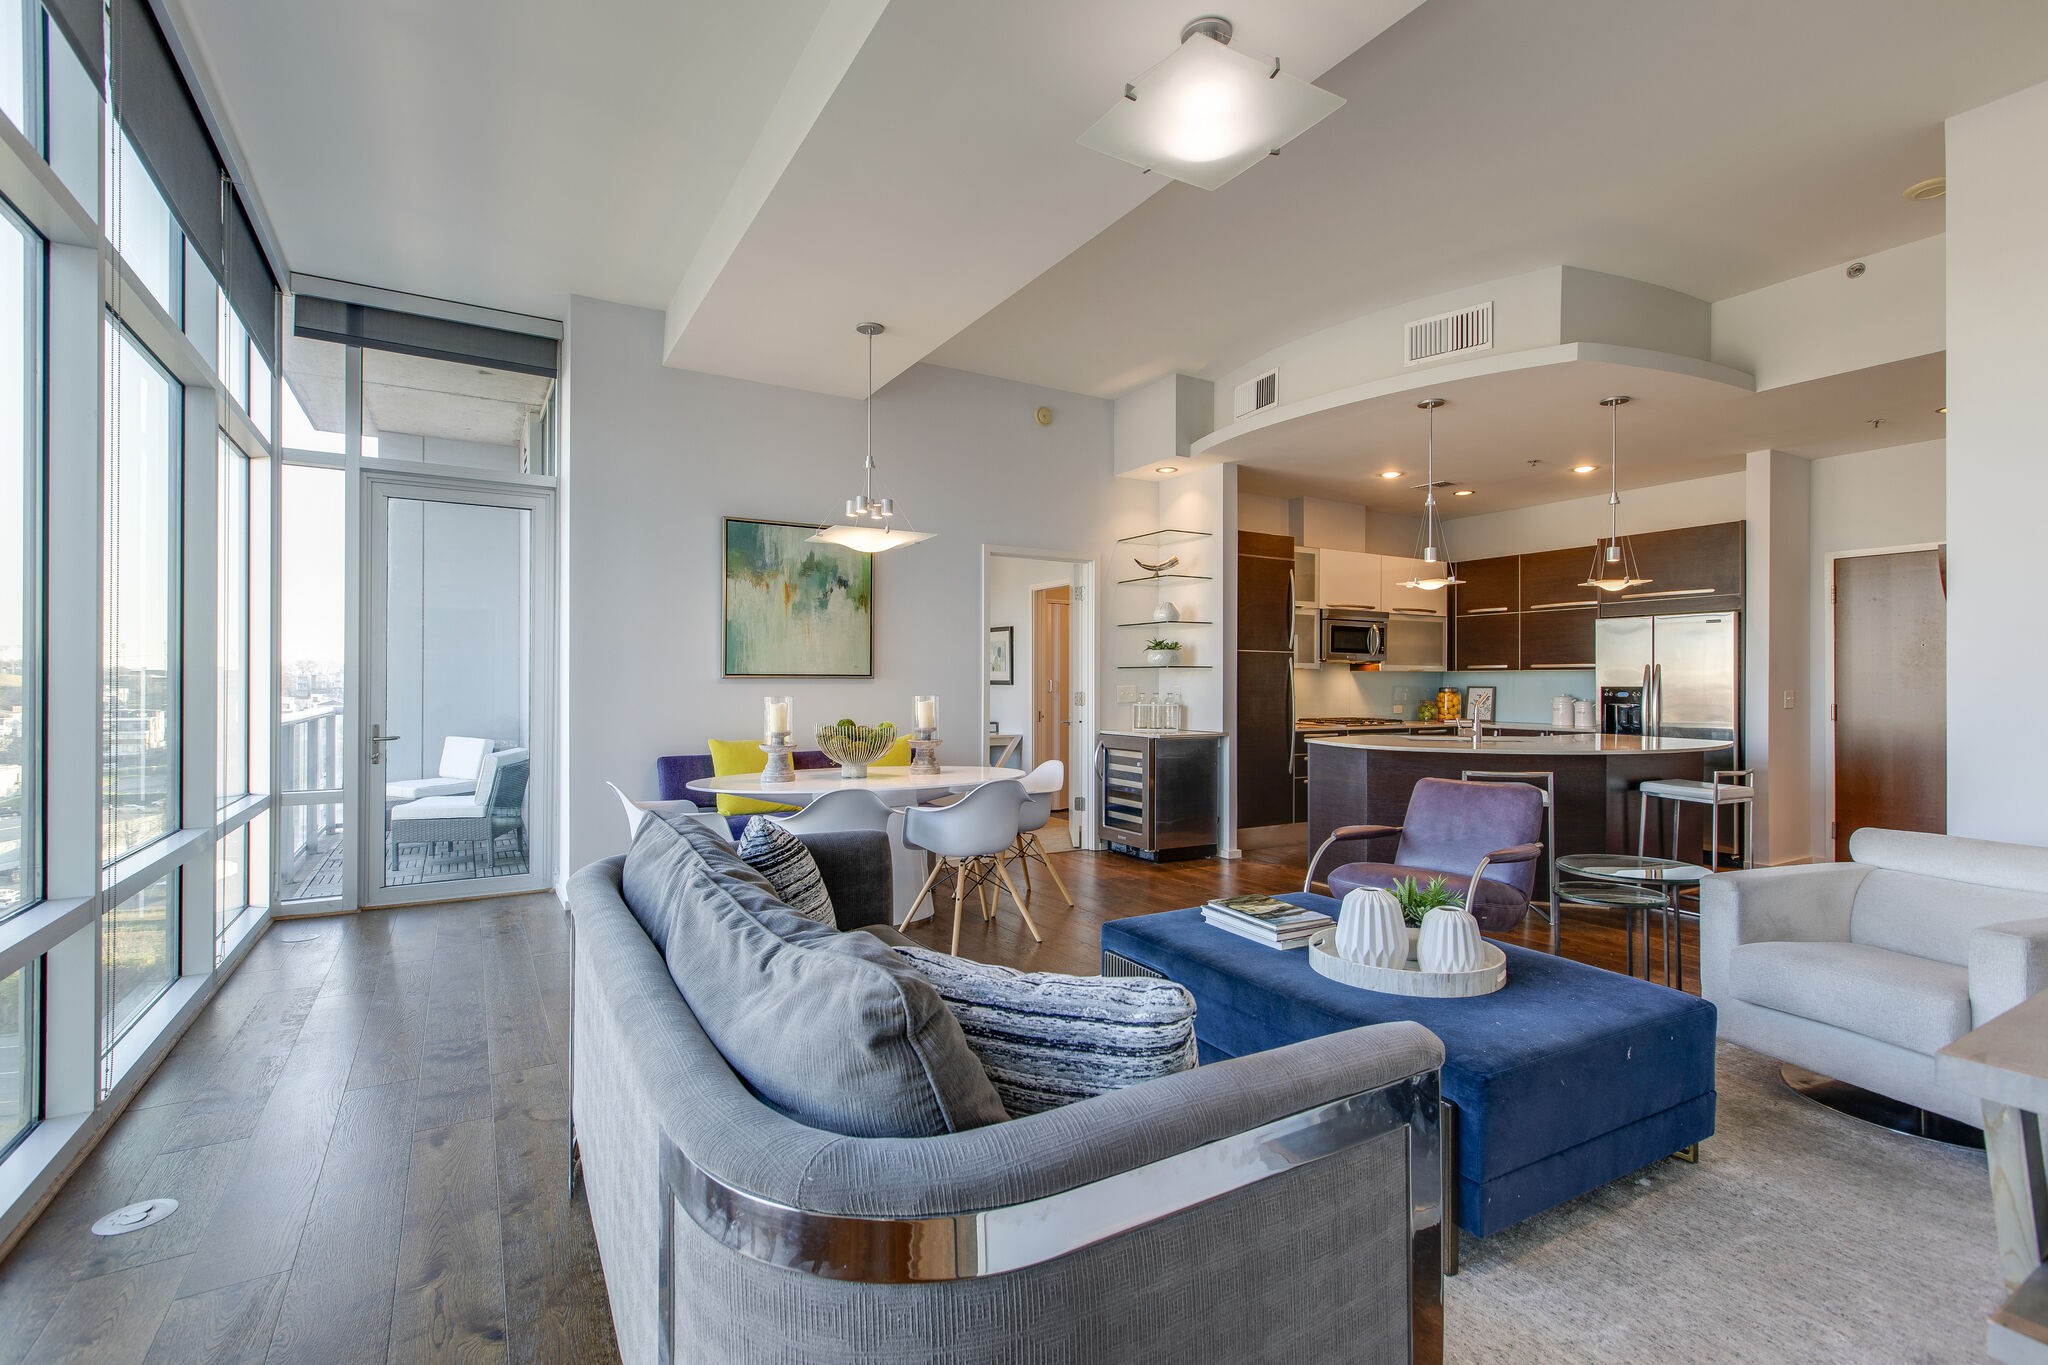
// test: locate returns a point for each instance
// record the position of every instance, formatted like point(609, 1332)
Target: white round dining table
point(898, 786)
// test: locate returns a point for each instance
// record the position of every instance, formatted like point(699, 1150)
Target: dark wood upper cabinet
point(1486, 641)
point(1551, 581)
point(1490, 587)
point(1694, 568)
point(1558, 639)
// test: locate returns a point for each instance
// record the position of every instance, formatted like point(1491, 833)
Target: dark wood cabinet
point(1265, 603)
point(1552, 580)
point(1694, 568)
point(1486, 641)
point(1558, 639)
point(1490, 587)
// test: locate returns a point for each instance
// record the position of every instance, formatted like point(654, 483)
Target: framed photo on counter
point(1479, 701)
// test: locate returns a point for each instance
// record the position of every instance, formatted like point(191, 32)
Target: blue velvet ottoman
point(1564, 1079)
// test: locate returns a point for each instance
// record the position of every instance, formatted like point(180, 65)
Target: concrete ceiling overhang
point(923, 167)
point(1513, 427)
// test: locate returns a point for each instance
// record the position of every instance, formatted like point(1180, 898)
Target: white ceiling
point(1711, 148)
point(1677, 426)
point(506, 153)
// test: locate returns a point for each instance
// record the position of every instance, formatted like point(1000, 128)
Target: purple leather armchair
point(1483, 833)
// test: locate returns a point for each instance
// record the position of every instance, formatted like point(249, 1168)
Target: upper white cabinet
point(1411, 601)
point(1351, 579)
point(1308, 578)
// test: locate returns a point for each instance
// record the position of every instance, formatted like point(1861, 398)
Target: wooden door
point(1051, 668)
point(1891, 693)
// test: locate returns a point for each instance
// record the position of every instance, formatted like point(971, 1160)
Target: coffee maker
point(1621, 710)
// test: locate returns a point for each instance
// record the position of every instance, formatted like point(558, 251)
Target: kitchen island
point(1366, 779)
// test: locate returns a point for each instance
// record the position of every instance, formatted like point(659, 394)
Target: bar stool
point(1722, 790)
point(1545, 782)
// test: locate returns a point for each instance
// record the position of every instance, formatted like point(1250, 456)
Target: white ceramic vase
point(1370, 929)
point(1166, 611)
point(1162, 658)
point(1449, 942)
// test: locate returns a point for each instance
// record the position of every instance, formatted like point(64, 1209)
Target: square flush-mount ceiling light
point(1207, 113)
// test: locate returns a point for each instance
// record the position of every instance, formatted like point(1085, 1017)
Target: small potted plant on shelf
point(1162, 653)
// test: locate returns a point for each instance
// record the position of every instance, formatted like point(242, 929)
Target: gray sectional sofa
point(1278, 1207)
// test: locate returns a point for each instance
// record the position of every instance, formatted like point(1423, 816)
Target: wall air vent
point(1256, 394)
point(1449, 334)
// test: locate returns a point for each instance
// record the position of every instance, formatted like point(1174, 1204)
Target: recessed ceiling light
point(1584, 468)
point(1462, 493)
point(1928, 189)
point(1390, 473)
point(1166, 469)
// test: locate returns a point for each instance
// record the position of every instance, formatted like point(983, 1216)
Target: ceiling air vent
point(1255, 394)
point(1448, 334)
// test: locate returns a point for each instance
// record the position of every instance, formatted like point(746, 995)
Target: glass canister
point(1447, 702)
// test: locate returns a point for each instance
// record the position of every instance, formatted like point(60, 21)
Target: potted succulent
point(1448, 937)
point(1418, 898)
point(1162, 653)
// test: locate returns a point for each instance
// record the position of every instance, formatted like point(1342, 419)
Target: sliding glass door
point(456, 585)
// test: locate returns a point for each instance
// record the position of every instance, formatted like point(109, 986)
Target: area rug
point(1801, 1235)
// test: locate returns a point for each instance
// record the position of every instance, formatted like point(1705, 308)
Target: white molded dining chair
point(636, 811)
point(839, 812)
point(1039, 786)
point(971, 837)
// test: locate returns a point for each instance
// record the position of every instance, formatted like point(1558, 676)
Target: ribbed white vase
point(1370, 929)
point(1449, 942)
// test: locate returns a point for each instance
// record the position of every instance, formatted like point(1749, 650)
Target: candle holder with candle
point(924, 741)
point(776, 727)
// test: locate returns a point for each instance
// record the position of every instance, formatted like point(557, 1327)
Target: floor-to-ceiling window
point(21, 753)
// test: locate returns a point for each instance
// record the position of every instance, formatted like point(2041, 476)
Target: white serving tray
point(1409, 979)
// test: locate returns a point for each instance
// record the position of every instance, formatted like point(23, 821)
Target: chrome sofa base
point(905, 1251)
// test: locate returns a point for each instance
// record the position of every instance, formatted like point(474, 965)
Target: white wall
point(1777, 652)
point(1882, 499)
point(1826, 323)
point(654, 458)
point(1996, 474)
point(1529, 530)
point(1263, 514)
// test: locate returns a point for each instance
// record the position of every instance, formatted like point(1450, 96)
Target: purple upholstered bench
point(675, 772)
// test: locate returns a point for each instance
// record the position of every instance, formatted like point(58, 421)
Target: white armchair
point(1864, 970)
point(462, 757)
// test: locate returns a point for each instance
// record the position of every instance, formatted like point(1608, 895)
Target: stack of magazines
point(1262, 919)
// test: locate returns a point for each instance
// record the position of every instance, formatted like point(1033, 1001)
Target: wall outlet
point(1126, 693)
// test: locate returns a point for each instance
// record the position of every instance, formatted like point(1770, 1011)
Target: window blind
point(82, 22)
point(251, 288)
point(162, 121)
point(385, 329)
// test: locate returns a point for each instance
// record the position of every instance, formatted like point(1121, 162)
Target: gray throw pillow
point(1047, 1040)
point(781, 857)
point(665, 848)
point(834, 1030)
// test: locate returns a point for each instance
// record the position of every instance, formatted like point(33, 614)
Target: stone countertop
point(2005, 1060)
point(1129, 733)
point(1560, 746)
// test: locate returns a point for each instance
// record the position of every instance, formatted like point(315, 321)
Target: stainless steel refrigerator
point(1689, 670)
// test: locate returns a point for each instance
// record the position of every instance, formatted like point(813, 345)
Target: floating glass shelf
point(1162, 577)
point(1159, 625)
point(1165, 536)
point(1159, 668)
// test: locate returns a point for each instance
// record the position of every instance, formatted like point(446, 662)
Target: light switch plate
point(1788, 701)
point(1126, 692)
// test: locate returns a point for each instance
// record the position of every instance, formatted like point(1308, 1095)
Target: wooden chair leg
point(923, 891)
point(959, 899)
point(1023, 858)
point(1051, 871)
point(1022, 908)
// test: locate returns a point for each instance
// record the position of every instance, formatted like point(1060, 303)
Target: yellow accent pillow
point(897, 755)
point(737, 758)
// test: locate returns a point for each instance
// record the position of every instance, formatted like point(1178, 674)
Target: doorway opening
point(1038, 615)
point(1888, 620)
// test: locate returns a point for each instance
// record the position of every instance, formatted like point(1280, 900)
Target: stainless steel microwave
point(1354, 637)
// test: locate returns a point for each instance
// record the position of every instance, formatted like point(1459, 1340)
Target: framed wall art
point(1002, 655)
point(795, 607)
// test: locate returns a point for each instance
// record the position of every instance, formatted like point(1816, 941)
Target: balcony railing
point(313, 759)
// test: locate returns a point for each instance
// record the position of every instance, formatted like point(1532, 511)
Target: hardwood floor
point(367, 1129)
point(367, 1133)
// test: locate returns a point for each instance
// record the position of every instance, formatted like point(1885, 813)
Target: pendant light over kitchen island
point(1435, 571)
point(1614, 559)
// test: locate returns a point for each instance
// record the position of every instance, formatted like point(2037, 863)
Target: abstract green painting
point(794, 607)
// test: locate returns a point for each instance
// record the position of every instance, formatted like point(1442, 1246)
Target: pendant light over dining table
point(1614, 559)
point(1434, 570)
point(871, 531)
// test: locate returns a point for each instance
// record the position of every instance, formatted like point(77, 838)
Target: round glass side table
point(1661, 878)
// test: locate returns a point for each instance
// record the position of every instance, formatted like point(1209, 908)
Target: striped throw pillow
point(781, 857)
point(1047, 1040)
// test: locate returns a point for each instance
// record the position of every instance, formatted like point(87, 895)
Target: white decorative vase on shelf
point(1166, 611)
point(1449, 942)
point(1162, 658)
point(1370, 929)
